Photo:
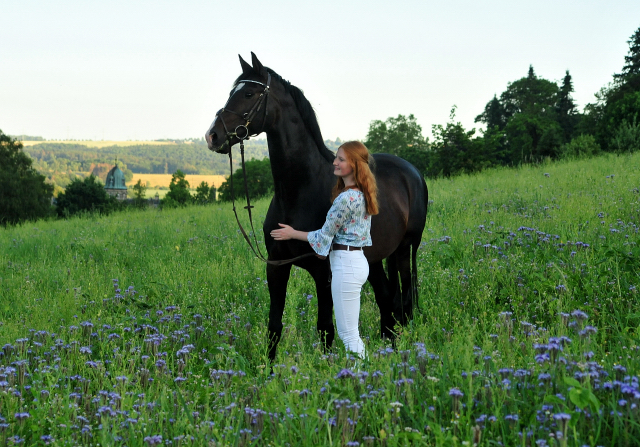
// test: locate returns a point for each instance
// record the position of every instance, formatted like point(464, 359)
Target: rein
point(248, 116)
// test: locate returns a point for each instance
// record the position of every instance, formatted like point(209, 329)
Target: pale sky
point(124, 70)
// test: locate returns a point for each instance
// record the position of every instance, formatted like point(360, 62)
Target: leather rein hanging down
point(241, 132)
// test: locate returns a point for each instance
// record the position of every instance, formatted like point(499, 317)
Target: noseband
point(241, 132)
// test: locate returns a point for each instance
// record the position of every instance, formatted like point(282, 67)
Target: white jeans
point(349, 271)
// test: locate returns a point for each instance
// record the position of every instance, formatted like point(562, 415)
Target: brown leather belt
point(345, 247)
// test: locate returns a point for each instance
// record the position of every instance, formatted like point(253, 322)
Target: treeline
point(532, 120)
point(194, 158)
point(26, 138)
point(190, 158)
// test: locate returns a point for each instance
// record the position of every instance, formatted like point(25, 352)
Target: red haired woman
point(344, 233)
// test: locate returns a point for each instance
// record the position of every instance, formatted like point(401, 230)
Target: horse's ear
point(257, 66)
point(246, 68)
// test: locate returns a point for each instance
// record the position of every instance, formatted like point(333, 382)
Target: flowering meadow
point(148, 327)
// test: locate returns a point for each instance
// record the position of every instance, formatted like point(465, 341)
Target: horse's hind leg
point(320, 271)
point(394, 283)
point(277, 279)
point(384, 298)
point(403, 311)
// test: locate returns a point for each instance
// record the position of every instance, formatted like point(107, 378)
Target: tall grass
point(148, 327)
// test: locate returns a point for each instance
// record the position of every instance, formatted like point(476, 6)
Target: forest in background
point(61, 163)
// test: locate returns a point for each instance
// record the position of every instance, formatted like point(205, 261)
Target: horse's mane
point(304, 108)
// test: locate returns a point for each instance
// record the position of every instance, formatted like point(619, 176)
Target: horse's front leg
point(277, 279)
point(320, 271)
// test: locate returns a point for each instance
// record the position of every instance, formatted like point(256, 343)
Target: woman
point(346, 230)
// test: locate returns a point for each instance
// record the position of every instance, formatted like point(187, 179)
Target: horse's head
point(248, 110)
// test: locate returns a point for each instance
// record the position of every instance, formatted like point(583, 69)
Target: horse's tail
point(426, 196)
point(414, 251)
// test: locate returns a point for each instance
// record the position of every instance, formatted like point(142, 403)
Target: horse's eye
point(248, 95)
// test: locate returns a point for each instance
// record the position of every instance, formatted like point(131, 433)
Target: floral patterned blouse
point(347, 223)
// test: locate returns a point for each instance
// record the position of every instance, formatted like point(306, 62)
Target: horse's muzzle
point(214, 143)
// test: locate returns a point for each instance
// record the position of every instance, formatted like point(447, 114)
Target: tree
point(24, 195)
point(178, 194)
point(632, 61)
point(418, 156)
point(139, 192)
point(532, 137)
point(618, 103)
point(453, 150)
point(204, 194)
point(566, 108)
point(493, 115)
point(86, 195)
point(530, 95)
point(394, 135)
point(526, 112)
point(259, 181)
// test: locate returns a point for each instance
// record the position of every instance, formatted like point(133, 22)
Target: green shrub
point(82, 196)
point(626, 137)
point(583, 146)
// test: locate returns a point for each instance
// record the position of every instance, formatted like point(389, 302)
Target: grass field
point(100, 143)
point(155, 180)
point(148, 327)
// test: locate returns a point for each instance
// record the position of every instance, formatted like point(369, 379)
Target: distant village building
point(115, 183)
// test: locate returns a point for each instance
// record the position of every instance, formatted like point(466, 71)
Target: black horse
point(301, 164)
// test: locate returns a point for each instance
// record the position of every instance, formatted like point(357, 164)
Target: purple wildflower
point(153, 440)
point(345, 374)
point(562, 419)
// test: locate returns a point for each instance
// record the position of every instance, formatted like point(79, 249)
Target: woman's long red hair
point(360, 160)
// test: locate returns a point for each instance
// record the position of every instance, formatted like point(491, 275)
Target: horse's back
point(402, 200)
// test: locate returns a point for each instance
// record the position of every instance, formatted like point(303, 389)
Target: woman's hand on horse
point(286, 232)
point(283, 234)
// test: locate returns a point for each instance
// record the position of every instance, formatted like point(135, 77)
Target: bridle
point(241, 132)
point(247, 116)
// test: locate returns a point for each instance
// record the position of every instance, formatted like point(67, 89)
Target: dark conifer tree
point(493, 115)
point(618, 103)
point(632, 61)
point(566, 108)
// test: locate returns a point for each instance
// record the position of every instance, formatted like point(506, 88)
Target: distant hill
point(191, 157)
point(62, 161)
point(100, 144)
point(25, 138)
